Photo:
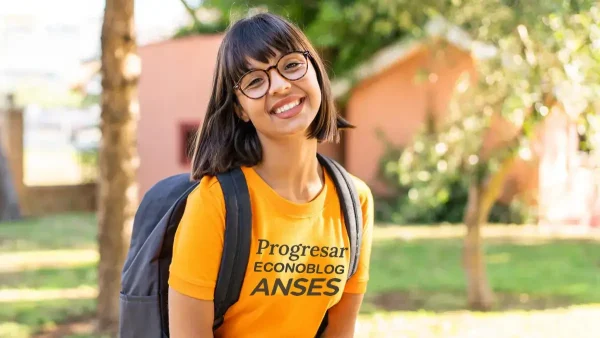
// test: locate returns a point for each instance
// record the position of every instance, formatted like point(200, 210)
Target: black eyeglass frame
point(236, 86)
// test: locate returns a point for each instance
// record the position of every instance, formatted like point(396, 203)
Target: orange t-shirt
point(298, 261)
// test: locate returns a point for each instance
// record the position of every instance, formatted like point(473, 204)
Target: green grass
point(25, 318)
point(51, 278)
point(422, 277)
point(32, 240)
point(427, 274)
point(65, 231)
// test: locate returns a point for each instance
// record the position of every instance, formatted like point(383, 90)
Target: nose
point(279, 84)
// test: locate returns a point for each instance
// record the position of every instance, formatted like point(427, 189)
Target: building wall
point(569, 179)
point(46, 200)
point(41, 200)
point(174, 91)
point(396, 103)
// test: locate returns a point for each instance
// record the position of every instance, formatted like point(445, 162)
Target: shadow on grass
point(456, 301)
point(28, 318)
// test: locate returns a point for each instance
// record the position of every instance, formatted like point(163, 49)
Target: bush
point(430, 185)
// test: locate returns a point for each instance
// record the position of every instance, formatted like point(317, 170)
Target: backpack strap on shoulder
point(350, 204)
point(237, 240)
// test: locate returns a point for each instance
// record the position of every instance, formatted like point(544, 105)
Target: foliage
point(546, 56)
point(431, 184)
point(539, 44)
point(544, 53)
point(87, 159)
point(362, 27)
point(427, 188)
point(203, 28)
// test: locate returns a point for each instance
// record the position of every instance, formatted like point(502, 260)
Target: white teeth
point(287, 107)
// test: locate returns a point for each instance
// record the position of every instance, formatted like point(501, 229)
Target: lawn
point(546, 286)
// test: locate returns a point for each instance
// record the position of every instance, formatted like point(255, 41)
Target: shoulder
point(363, 190)
point(207, 193)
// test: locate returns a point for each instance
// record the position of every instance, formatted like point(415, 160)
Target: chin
point(296, 132)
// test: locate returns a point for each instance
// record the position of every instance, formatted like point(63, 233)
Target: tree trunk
point(118, 159)
point(479, 294)
point(482, 197)
point(9, 200)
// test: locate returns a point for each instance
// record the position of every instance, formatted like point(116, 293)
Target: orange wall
point(396, 103)
point(174, 88)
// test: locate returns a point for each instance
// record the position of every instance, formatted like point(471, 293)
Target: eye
point(254, 82)
point(292, 65)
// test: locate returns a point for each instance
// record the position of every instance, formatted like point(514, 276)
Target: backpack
point(143, 299)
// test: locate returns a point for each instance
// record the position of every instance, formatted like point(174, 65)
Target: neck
point(291, 168)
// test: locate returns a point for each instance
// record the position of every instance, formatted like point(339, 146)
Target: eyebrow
point(277, 57)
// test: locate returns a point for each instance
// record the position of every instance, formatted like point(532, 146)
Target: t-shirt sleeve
point(198, 243)
point(358, 282)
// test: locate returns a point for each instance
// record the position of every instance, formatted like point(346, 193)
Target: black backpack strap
point(350, 204)
point(237, 240)
point(351, 209)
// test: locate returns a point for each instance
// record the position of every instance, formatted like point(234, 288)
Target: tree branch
point(508, 151)
point(192, 12)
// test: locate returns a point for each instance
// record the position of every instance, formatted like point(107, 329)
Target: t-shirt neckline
point(283, 205)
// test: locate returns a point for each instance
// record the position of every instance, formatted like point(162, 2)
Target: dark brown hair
point(225, 141)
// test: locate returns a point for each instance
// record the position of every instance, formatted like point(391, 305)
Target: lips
point(286, 104)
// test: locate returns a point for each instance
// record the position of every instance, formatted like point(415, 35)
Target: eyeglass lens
point(292, 66)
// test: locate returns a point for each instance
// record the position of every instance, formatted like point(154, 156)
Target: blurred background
point(478, 130)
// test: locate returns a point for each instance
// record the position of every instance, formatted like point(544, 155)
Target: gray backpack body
point(144, 279)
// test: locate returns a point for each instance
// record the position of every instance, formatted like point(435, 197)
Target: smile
point(288, 106)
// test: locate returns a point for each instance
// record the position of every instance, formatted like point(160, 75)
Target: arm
point(343, 316)
point(197, 250)
point(190, 317)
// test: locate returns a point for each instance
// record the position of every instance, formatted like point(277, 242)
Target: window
point(187, 134)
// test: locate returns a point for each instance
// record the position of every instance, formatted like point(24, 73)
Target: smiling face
point(291, 98)
point(281, 97)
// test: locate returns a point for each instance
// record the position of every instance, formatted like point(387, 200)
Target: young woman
point(270, 106)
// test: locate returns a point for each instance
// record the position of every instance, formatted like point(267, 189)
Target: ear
point(239, 111)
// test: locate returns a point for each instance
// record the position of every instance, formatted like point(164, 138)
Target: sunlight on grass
point(576, 321)
point(523, 234)
point(14, 330)
point(499, 258)
point(23, 295)
point(29, 260)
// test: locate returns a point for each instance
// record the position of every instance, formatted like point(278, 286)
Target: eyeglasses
point(256, 83)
